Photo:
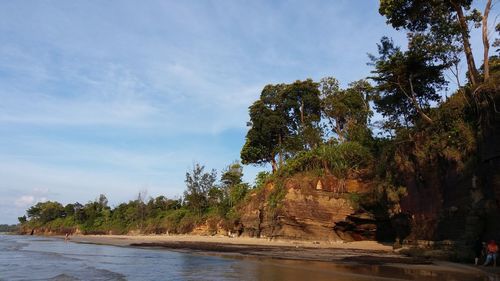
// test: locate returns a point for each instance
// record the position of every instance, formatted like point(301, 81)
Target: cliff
point(307, 208)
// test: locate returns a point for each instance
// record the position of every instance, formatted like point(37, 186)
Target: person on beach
point(479, 247)
point(492, 253)
point(66, 238)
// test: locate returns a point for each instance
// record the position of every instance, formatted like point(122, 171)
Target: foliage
point(347, 111)
point(496, 43)
point(407, 83)
point(8, 228)
point(277, 195)
point(262, 178)
point(204, 201)
point(198, 185)
point(443, 24)
point(341, 160)
point(268, 132)
point(284, 121)
point(46, 211)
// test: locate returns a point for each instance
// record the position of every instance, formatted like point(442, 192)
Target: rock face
point(446, 204)
point(309, 208)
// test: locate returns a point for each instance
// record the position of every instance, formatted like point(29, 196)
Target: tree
point(407, 82)
point(347, 111)
point(102, 201)
point(497, 40)
point(268, 133)
point(141, 207)
point(486, 41)
point(22, 219)
point(198, 184)
point(283, 121)
point(46, 211)
point(232, 175)
point(443, 21)
point(79, 213)
point(302, 106)
point(232, 184)
point(69, 210)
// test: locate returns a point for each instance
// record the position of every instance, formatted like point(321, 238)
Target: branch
point(417, 106)
point(486, 43)
point(414, 101)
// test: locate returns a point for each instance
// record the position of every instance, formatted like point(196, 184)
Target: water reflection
point(269, 269)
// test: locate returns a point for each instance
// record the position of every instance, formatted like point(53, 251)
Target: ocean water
point(41, 258)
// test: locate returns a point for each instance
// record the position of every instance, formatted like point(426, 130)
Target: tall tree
point(444, 21)
point(303, 111)
point(345, 110)
point(406, 82)
point(486, 41)
point(268, 132)
point(198, 184)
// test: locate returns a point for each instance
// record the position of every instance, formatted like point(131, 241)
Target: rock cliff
point(306, 208)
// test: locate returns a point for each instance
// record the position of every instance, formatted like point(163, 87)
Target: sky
point(121, 97)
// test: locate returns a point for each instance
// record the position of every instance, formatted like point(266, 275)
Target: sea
point(42, 258)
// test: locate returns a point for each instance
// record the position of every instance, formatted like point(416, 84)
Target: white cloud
point(38, 194)
point(24, 201)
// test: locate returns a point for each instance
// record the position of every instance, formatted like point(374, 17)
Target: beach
point(115, 258)
point(352, 253)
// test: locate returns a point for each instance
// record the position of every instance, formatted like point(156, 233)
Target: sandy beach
point(368, 251)
point(362, 252)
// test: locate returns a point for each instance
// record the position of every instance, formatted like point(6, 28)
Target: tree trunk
point(339, 132)
point(413, 99)
point(302, 112)
point(486, 43)
point(280, 154)
point(274, 165)
point(464, 30)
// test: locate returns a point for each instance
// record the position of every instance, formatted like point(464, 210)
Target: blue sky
point(121, 97)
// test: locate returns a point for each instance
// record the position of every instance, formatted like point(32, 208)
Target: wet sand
point(353, 253)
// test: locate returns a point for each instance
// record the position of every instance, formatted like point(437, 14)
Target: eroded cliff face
point(455, 200)
point(308, 208)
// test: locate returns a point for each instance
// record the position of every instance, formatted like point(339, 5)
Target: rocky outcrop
point(308, 208)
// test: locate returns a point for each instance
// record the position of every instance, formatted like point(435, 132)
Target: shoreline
point(360, 253)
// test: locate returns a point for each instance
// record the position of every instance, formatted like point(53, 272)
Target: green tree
point(407, 83)
point(198, 184)
point(69, 210)
point(268, 133)
point(347, 111)
point(302, 106)
point(46, 211)
point(232, 175)
point(232, 184)
point(284, 121)
point(22, 219)
point(445, 23)
point(79, 213)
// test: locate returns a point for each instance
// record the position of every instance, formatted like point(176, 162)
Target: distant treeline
point(9, 228)
point(205, 200)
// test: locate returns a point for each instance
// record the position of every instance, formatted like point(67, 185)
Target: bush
point(338, 159)
point(277, 195)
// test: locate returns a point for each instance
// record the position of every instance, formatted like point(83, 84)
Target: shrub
point(337, 159)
